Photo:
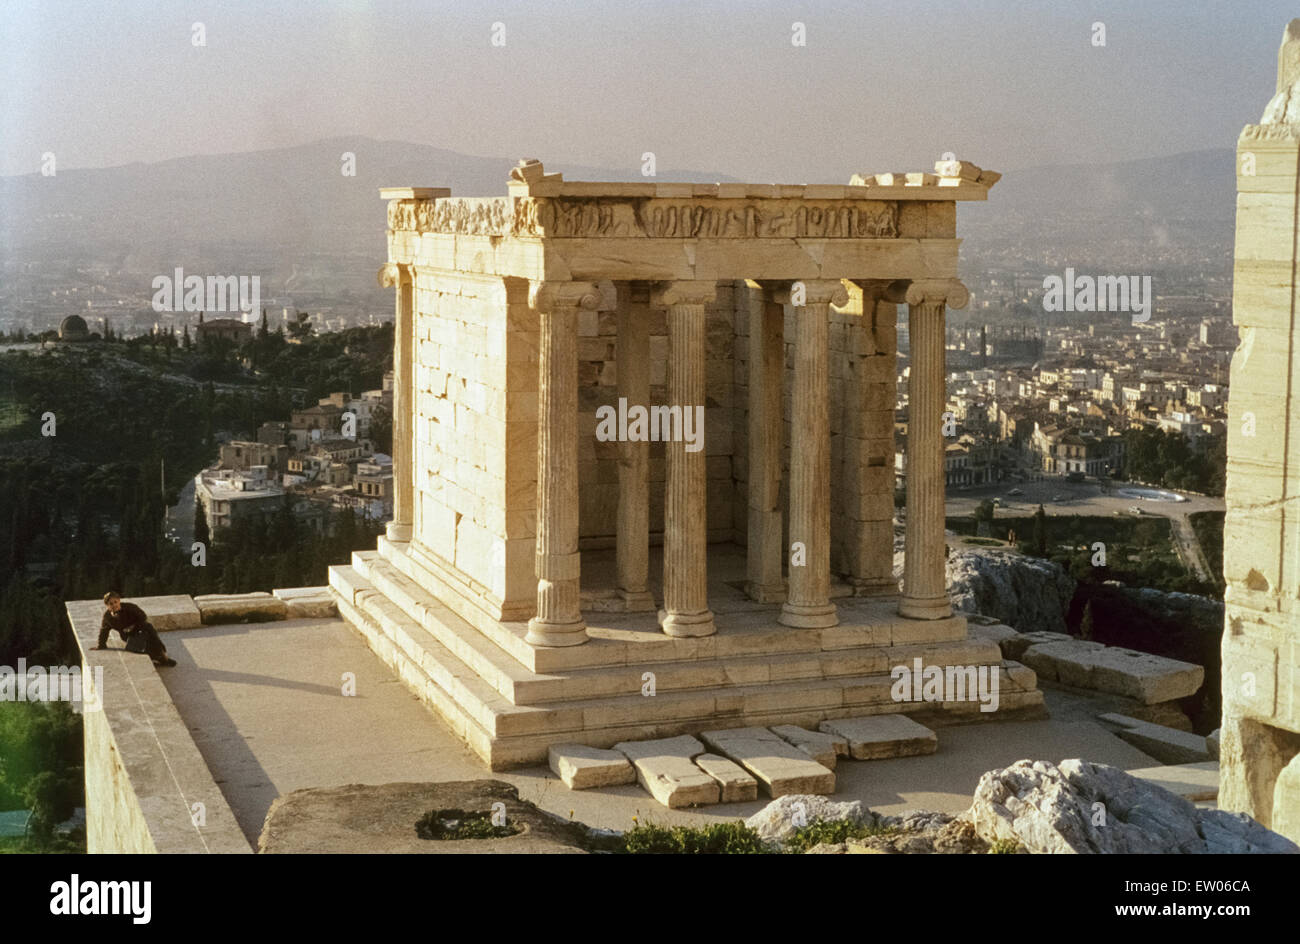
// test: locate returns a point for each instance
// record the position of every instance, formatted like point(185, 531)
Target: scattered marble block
point(175, 611)
point(882, 736)
point(821, 747)
point(240, 607)
point(1212, 743)
point(582, 767)
point(779, 766)
point(736, 785)
point(666, 769)
point(1167, 745)
point(1199, 781)
point(307, 602)
point(1013, 647)
point(1141, 676)
point(992, 631)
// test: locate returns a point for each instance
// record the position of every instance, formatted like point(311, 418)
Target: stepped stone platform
point(510, 701)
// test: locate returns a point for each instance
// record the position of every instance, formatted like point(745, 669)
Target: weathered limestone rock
point(1212, 743)
point(1026, 593)
point(240, 607)
point(666, 768)
point(1047, 808)
point(1167, 745)
point(782, 817)
point(381, 819)
point(821, 746)
point(582, 767)
point(307, 602)
point(880, 736)
point(779, 766)
point(736, 785)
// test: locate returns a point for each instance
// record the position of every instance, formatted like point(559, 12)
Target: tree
point(1040, 532)
point(201, 532)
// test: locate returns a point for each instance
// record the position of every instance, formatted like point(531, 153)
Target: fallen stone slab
point(582, 767)
point(736, 785)
point(779, 766)
point(307, 602)
point(1199, 781)
point(992, 631)
point(820, 746)
point(1212, 743)
point(1063, 660)
point(880, 736)
point(1013, 647)
point(173, 611)
point(1051, 809)
point(240, 607)
point(666, 769)
point(382, 819)
point(1167, 745)
point(780, 819)
point(1148, 678)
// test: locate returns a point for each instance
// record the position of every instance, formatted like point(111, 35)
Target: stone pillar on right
point(925, 579)
point(1259, 747)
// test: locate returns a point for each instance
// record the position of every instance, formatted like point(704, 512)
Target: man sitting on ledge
point(134, 628)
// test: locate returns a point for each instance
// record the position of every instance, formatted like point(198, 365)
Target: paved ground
point(264, 703)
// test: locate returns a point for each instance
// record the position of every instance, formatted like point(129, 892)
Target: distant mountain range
point(294, 209)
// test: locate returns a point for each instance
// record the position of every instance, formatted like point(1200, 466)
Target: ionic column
point(392, 274)
point(559, 618)
point(686, 532)
point(925, 584)
point(632, 548)
point(808, 603)
point(766, 382)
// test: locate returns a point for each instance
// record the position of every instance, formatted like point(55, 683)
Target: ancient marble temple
point(1259, 752)
point(572, 557)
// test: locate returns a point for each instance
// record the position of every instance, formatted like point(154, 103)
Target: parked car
point(1058, 498)
point(1134, 510)
point(1015, 491)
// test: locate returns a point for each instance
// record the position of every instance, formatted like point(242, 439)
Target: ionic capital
point(664, 294)
point(550, 296)
point(805, 292)
point(392, 274)
point(946, 292)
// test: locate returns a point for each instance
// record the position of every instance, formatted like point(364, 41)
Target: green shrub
point(715, 839)
point(1004, 847)
point(834, 831)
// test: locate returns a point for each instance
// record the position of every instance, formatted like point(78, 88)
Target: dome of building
point(73, 328)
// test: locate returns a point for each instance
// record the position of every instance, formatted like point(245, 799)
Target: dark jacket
point(126, 620)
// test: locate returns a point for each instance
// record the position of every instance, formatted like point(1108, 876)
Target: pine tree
point(1040, 532)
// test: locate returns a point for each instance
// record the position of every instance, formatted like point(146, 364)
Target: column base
point(930, 608)
point(398, 532)
point(687, 624)
point(808, 615)
point(637, 601)
point(554, 635)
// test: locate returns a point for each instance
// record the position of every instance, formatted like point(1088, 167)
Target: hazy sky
point(710, 86)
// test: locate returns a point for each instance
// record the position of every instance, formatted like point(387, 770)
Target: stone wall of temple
point(475, 446)
point(598, 386)
point(1260, 741)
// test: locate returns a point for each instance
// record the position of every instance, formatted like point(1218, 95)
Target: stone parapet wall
point(144, 773)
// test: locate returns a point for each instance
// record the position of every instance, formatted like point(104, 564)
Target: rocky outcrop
point(1026, 593)
point(782, 817)
point(1081, 807)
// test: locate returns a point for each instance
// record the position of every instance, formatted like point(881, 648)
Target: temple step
point(506, 734)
